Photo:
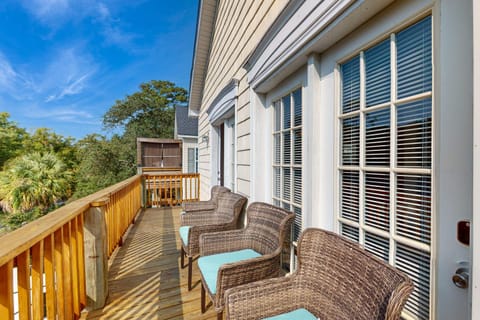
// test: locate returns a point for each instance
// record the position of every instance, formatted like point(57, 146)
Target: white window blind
point(385, 165)
point(287, 156)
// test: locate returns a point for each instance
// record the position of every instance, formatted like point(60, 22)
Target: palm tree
point(34, 181)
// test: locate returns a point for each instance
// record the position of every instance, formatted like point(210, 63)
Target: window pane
point(414, 59)
point(297, 146)
point(191, 160)
point(377, 74)
point(276, 182)
point(277, 115)
point(297, 104)
point(377, 200)
point(414, 207)
point(416, 264)
point(351, 141)
point(297, 226)
point(297, 186)
point(414, 134)
point(276, 148)
point(286, 147)
point(350, 71)
point(349, 232)
point(286, 112)
point(377, 138)
point(286, 184)
point(350, 195)
point(377, 245)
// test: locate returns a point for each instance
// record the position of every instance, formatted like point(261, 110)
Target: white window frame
point(392, 169)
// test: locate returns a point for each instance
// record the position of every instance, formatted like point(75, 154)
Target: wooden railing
point(171, 189)
point(45, 262)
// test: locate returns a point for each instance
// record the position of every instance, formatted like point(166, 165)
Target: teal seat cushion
point(209, 265)
point(299, 314)
point(184, 234)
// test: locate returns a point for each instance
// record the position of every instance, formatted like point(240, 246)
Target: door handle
point(460, 278)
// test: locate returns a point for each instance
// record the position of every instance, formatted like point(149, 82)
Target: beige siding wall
point(239, 27)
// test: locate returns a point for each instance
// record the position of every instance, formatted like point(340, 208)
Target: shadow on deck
point(145, 278)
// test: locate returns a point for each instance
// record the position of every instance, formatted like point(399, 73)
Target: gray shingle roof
point(186, 126)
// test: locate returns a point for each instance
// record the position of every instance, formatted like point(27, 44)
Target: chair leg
point(220, 315)
point(182, 258)
point(202, 300)
point(190, 262)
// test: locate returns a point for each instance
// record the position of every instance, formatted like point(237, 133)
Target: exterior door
point(229, 153)
point(221, 156)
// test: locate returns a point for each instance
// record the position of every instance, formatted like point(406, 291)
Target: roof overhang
point(203, 41)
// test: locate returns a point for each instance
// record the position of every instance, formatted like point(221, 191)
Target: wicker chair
point(228, 259)
point(225, 215)
point(205, 205)
point(335, 279)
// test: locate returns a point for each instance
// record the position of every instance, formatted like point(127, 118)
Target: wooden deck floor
point(145, 278)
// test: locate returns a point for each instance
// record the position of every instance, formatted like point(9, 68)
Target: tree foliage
point(44, 140)
point(102, 164)
point(149, 112)
point(34, 181)
point(11, 138)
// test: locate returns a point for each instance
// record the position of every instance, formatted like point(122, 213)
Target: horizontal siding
point(239, 27)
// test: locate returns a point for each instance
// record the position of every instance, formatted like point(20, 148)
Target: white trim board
point(223, 106)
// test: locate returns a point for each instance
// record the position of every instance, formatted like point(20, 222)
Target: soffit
point(302, 29)
point(203, 41)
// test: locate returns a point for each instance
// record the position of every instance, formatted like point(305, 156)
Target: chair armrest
point(246, 271)
point(261, 299)
point(218, 242)
point(198, 206)
point(198, 218)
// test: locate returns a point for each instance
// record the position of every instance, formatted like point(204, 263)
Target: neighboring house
point(357, 116)
point(186, 129)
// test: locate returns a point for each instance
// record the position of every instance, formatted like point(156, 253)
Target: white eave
point(203, 41)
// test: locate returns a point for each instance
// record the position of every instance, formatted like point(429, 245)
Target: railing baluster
point(81, 259)
point(6, 294)
point(49, 277)
point(23, 281)
point(58, 239)
point(37, 280)
point(75, 275)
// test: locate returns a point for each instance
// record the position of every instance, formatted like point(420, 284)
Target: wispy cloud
point(64, 114)
point(50, 12)
point(13, 82)
point(67, 74)
point(55, 13)
point(111, 30)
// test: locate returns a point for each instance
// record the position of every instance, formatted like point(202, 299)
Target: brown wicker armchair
point(335, 279)
point(205, 205)
point(228, 259)
point(224, 217)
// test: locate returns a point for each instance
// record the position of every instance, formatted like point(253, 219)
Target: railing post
point(96, 254)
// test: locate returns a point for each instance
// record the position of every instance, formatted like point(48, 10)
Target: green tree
point(44, 140)
point(11, 138)
point(148, 113)
point(102, 163)
point(33, 183)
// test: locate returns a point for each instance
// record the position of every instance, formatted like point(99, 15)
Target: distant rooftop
point(186, 126)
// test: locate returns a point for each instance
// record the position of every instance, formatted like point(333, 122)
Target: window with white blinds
point(192, 160)
point(385, 164)
point(287, 156)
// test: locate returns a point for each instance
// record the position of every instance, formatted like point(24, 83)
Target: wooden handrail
point(48, 253)
point(19, 240)
point(162, 189)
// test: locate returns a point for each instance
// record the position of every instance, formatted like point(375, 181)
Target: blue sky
point(63, 63)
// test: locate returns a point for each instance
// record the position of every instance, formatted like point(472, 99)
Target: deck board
point(145, 277)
